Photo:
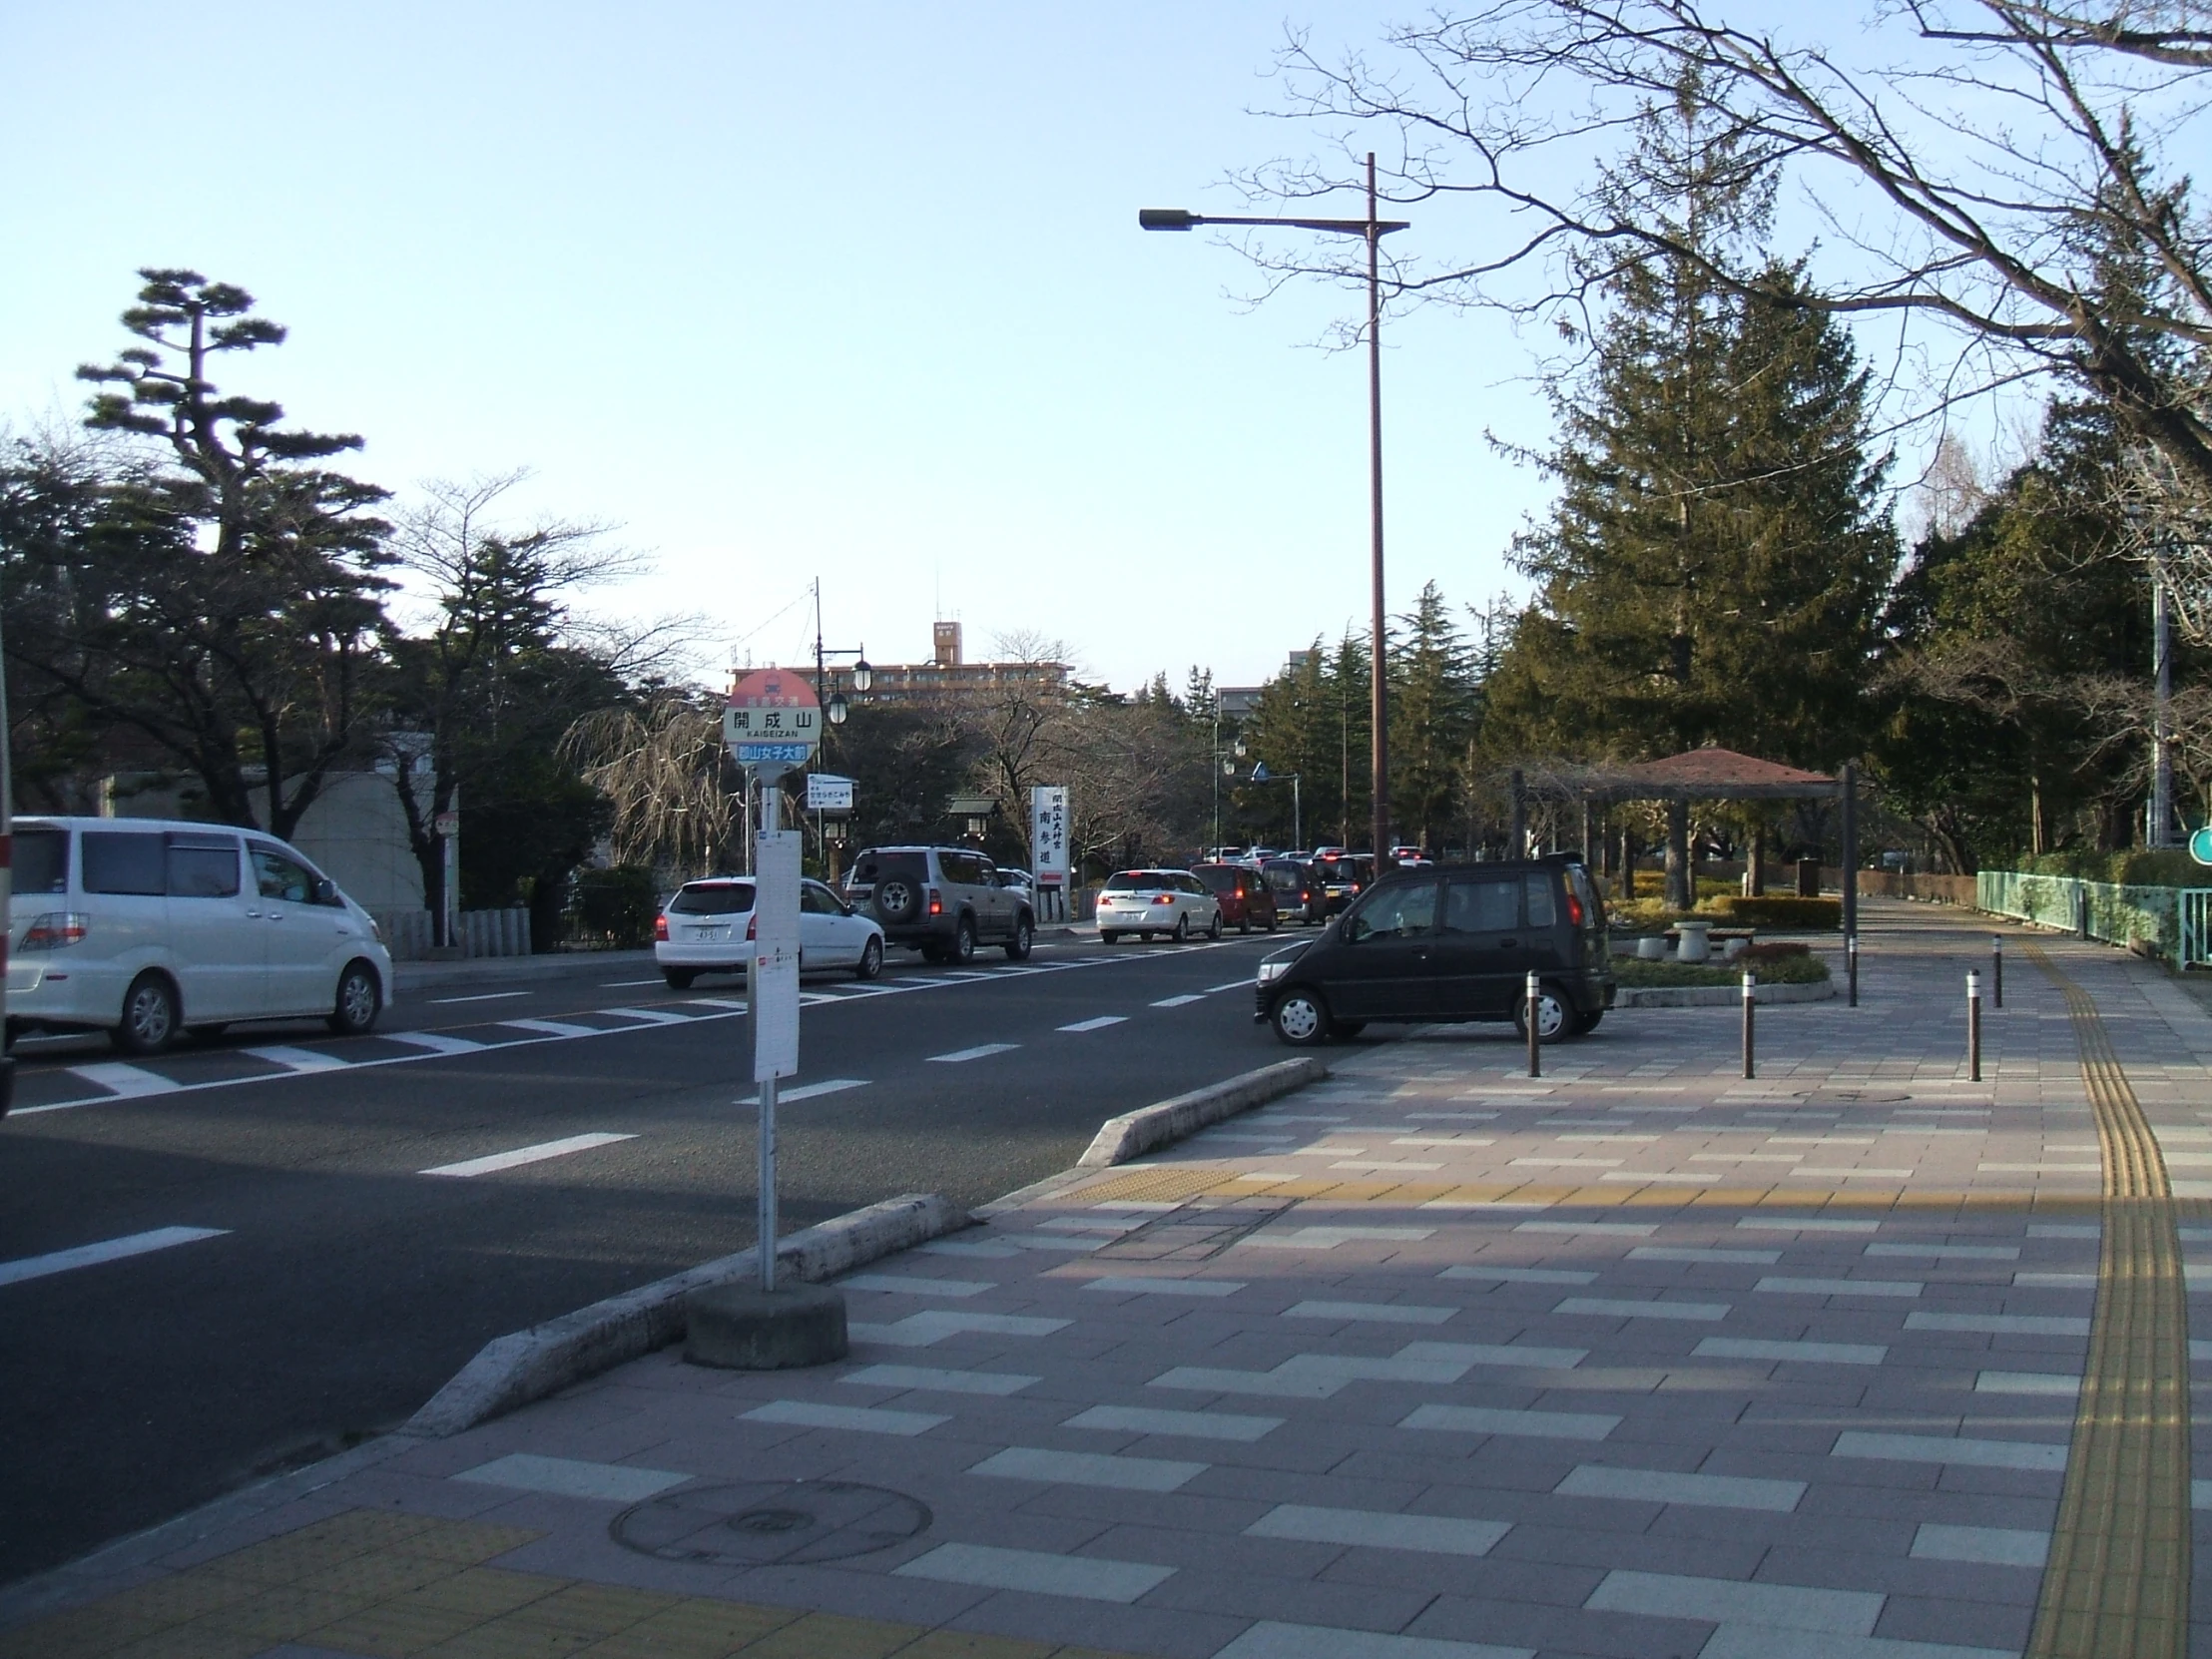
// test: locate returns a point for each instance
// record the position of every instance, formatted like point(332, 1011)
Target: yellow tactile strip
point(392, 1586)
point(2118, 1577)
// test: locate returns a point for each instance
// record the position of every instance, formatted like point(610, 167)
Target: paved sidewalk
point(1433, 1361)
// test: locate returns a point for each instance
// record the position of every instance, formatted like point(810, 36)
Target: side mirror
point(326, 890)
point(1355, 929)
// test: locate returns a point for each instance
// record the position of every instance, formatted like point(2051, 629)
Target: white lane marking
point(733, 1007)
point(302, 1060)
point(561, 1028)
point(482, 996)
point(652, 1016)
point(832, 1085)
point(983, 1051)
point(437, 1042)
point(1233, 985)
point(627, 984)
point(525, 1155)
point(109, 1250)
point(1178, 1001)
point(1098, 1024)
point(126, 1081)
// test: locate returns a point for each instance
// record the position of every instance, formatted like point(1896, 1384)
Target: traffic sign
point(773, 721)
point(2200, 846)
point(828, 792)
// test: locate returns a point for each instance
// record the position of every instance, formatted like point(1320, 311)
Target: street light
point(1370, 230)
point(1227, 759)
point(1261, 775)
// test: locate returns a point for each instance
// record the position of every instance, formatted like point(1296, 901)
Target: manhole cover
point(1851, 1097)
point(762, 1522)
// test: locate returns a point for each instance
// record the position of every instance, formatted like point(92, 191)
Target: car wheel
point(1344, 1030)
point(1109, 939)
point(679, 979)
point(1588, 1022)
point(360, 1001)
point(149, 1016)
point(1245, 927)
point(1299, 1020)
point(1017, 948)
point(1554, 1015)
point(1182, 934)
point(1212, 929)
point(1274, 922)
point(963, 940)
point(870, 964)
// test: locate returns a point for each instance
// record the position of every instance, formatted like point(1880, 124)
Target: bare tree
point(660, 767)
point(1977, 163)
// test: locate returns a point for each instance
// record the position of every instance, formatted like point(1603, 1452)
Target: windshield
point(1136, 881)
point(1218, 877)
point(871, 867)
point(42, 860)
point(713, 898)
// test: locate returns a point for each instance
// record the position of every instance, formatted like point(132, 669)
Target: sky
point(781, 294)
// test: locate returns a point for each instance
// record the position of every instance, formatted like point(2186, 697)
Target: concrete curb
point(514, 1370)
point(1134, 1133)
point(1718, 996)
point(421, 976)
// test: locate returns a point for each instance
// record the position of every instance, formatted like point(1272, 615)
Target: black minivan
point(1450, 943)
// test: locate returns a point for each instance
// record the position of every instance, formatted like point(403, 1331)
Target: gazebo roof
point(1708, 774)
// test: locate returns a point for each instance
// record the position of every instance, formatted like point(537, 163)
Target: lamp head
point(1167, 219)
point(862, 676)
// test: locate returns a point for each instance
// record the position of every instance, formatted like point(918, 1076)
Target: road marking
point(525, 1155)
point(560, 1027)
point(109, 1249)
point(525, 1471)
point(986, 1567)
point(482, 996)
point(302, 1060)
point(983, 1051)
point(1098, 1024)
point(627, 984)
point(126, 1081)
point(714, 1003)
point(1178, 1001)
point(652, 1016)
point(807, 1091)
point(435, 1041)
point(1233, 985)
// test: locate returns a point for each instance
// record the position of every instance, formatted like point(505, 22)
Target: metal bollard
point(1973, 1026)
point(1751, 1003)
point(1536, 1043)
point(1996, 969)
point(1850, 967)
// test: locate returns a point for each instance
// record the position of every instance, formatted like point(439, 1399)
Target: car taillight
point(55, 929)
point(1574, 908)
point(937, 902)
point(660, 929)
point(753, 925)
point(1164, 898)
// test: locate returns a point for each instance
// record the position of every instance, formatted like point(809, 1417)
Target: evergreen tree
point(1433, 695)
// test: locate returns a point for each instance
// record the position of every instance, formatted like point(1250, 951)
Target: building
point(946, 676)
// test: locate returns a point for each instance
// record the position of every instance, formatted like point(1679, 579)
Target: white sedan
point(704, 930)
point(1150, 903)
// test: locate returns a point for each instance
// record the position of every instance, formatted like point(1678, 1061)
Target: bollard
point(1536, 1043)
point(1996, 969)
point(1850, 967)
point(1973, 1026)
point(1750, 1002)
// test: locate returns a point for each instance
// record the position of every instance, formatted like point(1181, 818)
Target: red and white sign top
point(770, 711)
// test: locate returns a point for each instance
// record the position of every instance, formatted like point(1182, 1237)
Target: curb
point(512, 1370)
point(1718, 996)
point(418, 976)
point(1135, 1133)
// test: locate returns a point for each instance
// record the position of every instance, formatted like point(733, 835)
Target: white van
point(143, 927)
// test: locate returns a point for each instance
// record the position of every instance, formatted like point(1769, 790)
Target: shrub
point(1780, 911)
point(1804, 969)
point(1774, 950)
point(2163, 868)
point(615, 908)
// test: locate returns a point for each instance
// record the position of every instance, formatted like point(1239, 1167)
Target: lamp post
point(1225, 766)
point(1371, 231)
point(1261, 775)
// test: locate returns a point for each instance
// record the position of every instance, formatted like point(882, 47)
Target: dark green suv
point(1450, 943)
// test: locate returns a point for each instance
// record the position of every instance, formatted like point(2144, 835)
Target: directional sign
point(827, 792)
point(2200, 846)
point(772, 719)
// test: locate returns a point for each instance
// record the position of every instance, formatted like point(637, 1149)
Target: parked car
point(941, 900)
point(705, 926)
point(1342, 878)
point(141, 927)
point(1148, 902)
point(1247, 901)
point(1299, 894)
point(1450, 943)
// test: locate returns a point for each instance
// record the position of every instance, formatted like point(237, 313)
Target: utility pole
point(2160, 827)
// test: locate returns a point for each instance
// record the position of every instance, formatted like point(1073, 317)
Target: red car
point(1246, 899)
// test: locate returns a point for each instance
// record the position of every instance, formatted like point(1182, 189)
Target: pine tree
point(1434, 699)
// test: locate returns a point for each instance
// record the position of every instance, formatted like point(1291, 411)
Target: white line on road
point(734, 1006)
point(1178, 1001)
point(559, 1027)
point(124, 1080)
point(1233, 985)
point(807, 1091)
point(626, 985)
point(652, 1016)
point(302, 1060)
point(1098, 1024)
point(437, 1042)
point(980, 1052)
point(482, 996)
point(112, 1249)
point(525, 1155)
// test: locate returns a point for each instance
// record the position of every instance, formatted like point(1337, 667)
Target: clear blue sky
point(782, 292)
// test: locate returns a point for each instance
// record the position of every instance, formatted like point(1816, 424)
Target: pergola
point(1708, 774)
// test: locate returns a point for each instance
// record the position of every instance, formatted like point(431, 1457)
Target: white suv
point(141, 927)
point(1148, 902)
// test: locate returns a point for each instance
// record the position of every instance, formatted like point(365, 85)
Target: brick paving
point(1431, 1361)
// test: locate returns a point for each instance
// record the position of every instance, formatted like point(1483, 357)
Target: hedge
point(1780, 911)
point(2162, 867)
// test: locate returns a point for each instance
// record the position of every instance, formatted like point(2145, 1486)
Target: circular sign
point(2200, 846)
point(773, 718)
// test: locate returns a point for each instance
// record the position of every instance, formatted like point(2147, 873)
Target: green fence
point(2173, 923)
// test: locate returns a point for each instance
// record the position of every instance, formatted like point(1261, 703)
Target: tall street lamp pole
point(1370, 230)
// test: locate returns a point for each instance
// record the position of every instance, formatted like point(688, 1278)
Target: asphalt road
point(347, 1269)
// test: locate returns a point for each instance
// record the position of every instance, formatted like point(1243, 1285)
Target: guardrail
point(2173, 922)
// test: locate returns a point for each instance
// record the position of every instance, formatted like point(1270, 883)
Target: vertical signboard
point(776, 954)
point(1048, 833)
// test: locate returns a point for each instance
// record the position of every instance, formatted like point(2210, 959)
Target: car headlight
point(1272, 972)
